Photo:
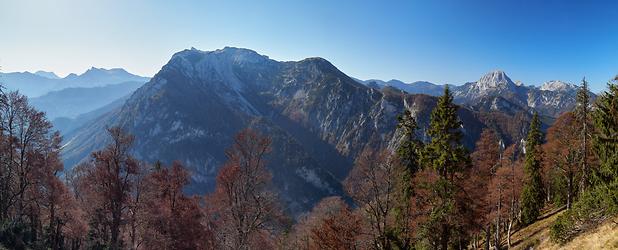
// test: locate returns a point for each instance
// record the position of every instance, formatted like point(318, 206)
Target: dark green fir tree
point(605, 140)
point(532, 196)
point(447, 157)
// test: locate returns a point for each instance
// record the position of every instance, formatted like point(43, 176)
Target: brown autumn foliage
point(331, 224)
point(372, 185)
point(154, 212)
point(505, 189)
point(243, 212)
point(562, 154)
point(108, 186)
point(485, 162)
point(35, 206)
point(172, 219)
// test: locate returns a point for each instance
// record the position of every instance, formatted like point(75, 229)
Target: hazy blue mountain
point(418, 87)
point(28, 83)
point(67, 125)
point(47, 74)
point(34, 85)
point(319, 118)
point(71, 102)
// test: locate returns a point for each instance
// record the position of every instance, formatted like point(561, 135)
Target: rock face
point(318, 117)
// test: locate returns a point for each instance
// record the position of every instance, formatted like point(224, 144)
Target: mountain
point(94, 77)
point(71, 102)
point(47, 74)
point(496, 91)
point(318, 117)
point(66, 125)
point(419, 87)
point(34, 85)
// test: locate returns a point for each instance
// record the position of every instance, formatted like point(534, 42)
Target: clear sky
point(439, 41)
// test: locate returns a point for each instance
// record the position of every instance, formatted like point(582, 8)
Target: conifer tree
point(446, 157)
point(532, 196)
point(605, 140)
point(408, 156)
point(582, 110)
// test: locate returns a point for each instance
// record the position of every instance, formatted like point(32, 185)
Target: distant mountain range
point(495, 91)
point(318, 117)
point(419, 87)
point(74, 101)
point(41, 82)
point(71, 101)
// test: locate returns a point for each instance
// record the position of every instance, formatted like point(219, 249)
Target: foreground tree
point(32, 198)
point(605, 138)
point(331, 224)
point(372, 185)
point(598, 202)
point(444, 160)
point(243, 211)
point(408, 164)
point(582, 113)
point(509, 180)
point(172, 219)
point(533, 195)
point(562, 155)
point(487, 200)
point(109, 184)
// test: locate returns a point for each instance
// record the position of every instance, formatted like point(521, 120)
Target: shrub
point(592, 207)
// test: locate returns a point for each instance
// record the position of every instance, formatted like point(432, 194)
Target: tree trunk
point(508, 234)
point(487, 236)
point(115, 230)
point(569, 191)
point(445, 237)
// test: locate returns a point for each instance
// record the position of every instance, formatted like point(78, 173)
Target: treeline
point(413, 195)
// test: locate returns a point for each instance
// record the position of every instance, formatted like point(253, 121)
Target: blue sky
point(439, 41)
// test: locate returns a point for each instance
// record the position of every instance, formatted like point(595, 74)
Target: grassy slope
point(537, 235)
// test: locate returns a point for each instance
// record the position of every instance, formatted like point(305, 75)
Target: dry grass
point(537, 233)
point(536, 236)
point(603, 237)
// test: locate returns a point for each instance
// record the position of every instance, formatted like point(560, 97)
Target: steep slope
point(537, 235)
point(67, 125)
point(318, 117)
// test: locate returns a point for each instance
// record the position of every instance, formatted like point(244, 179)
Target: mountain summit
point(494, 80)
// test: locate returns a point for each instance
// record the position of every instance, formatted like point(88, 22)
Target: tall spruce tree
point(532, 196)
point(605, 140)
point(445, 155)
point(408, 156)
point(582, 113)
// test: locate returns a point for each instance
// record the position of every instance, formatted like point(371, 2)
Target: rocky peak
point(226, 55)
point(556, 85)
point(496, 79)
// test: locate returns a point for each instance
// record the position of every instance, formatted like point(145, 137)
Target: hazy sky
point(438, 41)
